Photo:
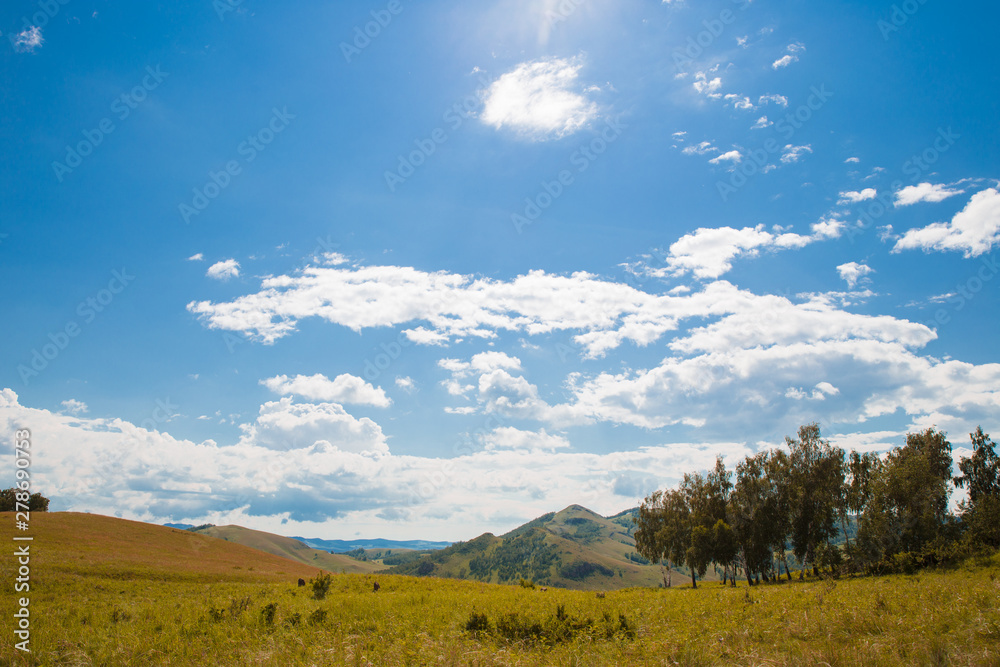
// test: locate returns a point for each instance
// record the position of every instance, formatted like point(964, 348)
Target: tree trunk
point(843, 522)
point(694, 584)
point(663, 573)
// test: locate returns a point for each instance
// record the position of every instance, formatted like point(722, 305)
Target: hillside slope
point(95, 545)
point(575, 548)
point(292, 549)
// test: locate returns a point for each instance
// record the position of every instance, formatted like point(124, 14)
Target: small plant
point(527, 583)
point(268, 612)
point(321, 585)
point(478, 624)
point(294, 619)
point(317, 617)
point(216, 614)
point(119, 616)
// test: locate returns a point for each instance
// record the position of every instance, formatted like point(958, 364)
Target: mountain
point(290, 548)
point(342, 546)
point(575, 548)
point(87, 544)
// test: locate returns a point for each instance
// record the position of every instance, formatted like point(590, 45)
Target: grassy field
point(119, 593)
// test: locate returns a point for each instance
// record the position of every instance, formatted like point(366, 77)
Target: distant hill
point(290, 548)
point(91, 544)
point(575, 548)
point(343, 546)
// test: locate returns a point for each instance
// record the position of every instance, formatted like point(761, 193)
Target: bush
point(317, 617)
point(268, 612)
point(560, 628)
point(321, 585)
point(527, 583)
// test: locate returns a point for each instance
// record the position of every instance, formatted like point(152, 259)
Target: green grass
point(153, 616)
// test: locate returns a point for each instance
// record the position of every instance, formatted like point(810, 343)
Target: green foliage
point(562, 628)
point(581, 569)
point(268, 612)
point(356, 554)
point(9, 498)
point(527, 583)
point(321, 585)
point(317, 617)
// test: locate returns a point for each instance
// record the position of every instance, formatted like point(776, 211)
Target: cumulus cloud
point(74, 407)
point(197, 257)
point(124, 470)
point(761, 123)
point(784, 61)
point(793, 153)
point(974, 230)
point(853, 272)
point(855, 197)
point(700, 149)
point(924, 192)
point(539, 100)
point(285, 425)
point(224, 270)
point(342, 389)
point(705, 86)
point(732, 156)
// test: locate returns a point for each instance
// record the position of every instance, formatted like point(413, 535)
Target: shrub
point(321, 585)
point(268, 612)
point(478, 624)
point(527, 583)
point(317, 617)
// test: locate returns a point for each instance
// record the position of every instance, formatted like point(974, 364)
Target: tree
point(981, 475)
point(816, 478)
point(754, 507)
point(663, 532)
point(36, 501)
point(908, 508)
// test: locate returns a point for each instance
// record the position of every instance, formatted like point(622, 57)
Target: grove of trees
point(804, 505)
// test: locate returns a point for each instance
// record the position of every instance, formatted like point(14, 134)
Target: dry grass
point(159, 613)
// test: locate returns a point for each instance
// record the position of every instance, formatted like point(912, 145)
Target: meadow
point(156, 606)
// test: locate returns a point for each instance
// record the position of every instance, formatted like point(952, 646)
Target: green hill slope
point(575, 548)
point(287, 547)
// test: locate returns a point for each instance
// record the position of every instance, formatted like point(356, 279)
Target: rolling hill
point(93, 545)
point(290, 548)
point(575, 548)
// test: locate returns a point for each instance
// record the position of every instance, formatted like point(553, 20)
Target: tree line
point(804, 505)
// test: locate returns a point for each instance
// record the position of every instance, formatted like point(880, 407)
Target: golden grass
point(85, 615)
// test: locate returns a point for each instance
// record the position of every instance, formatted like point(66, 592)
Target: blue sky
point(423, 270)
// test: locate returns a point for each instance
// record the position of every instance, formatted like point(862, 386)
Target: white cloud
point(974, 230)
point(761, 123)
point(508, 437)
point(407, 384)
point(539, 100)
point(853, 272)
point(342, 389)
point(784, 61)
point(852, 159)
point(28, 39)
point(707, 86)
point(679, 135)
point(284, 425)
point(855, 197)
point(793, 153)
point(924, 192)
point(700, 149)
point(780, 100)
point(196, 257)
point(74, 407)
point(224, 270)
point(731, 156)
point(709, 252)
